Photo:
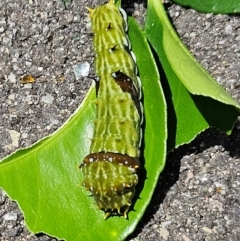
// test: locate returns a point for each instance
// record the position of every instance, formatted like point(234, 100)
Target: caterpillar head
point(111, 178)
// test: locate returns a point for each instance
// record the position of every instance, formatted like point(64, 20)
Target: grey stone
point(12, 216)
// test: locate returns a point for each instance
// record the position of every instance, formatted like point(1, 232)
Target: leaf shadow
point(171, 172)
point(129, 4)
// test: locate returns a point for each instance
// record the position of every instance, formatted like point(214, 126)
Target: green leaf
point(44, 179)
point(212, 6)
point(195, 100)
point(118, 3)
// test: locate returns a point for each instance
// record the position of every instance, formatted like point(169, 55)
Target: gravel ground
point(197, 197)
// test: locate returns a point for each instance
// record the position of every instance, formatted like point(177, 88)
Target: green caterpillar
point(110, 170)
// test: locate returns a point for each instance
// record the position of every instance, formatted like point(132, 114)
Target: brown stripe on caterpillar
point(125, 82)
point(127, 85)
point(113, 158)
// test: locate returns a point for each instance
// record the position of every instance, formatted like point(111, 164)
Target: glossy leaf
point(195, 100)
point(212, 6)
point(44, 179)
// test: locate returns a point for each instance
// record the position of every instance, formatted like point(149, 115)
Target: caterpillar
point(110, 171)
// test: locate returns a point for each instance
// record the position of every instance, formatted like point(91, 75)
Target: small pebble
point(12, 78)
point(206, 229)
point(48, 99)
point(81, 70)
point(228, 29)
point(12, 216)
point(164, 233)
